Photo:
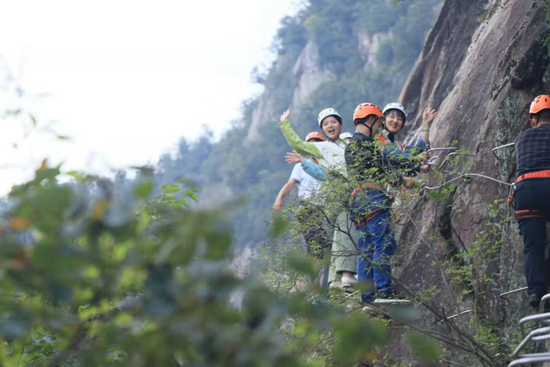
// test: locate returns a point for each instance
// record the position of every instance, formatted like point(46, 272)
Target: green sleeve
point(300, 146)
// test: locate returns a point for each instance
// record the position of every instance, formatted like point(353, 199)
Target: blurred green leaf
point(426, 347)
point(303, 264)
point(143, 189)
point(279, 225)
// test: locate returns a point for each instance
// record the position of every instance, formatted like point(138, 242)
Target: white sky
point(127, 78)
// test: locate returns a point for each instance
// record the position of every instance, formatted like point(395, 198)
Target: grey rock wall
point(481, 65)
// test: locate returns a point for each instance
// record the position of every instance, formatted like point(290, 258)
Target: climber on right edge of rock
point(532, 195)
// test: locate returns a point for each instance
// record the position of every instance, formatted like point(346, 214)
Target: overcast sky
point(126, 79)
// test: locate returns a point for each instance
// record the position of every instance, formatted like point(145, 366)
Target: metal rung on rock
point(539, 333)
point(543, 301)
point(456, 315)
point(513, 291)
point(541, 317)
point(529, 360)
point(440, 149)
point(529, 355)
point(502, 146)
point(391, 301)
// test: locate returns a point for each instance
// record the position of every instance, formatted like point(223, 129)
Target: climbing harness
point(538, 174)
point(368, 217)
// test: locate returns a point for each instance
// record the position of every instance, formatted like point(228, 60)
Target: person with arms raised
point(330, 155)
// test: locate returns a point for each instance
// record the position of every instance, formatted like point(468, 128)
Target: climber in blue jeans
point(370, 209)
point(370, 206)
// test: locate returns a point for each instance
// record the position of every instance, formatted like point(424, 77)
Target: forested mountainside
point(332, 53)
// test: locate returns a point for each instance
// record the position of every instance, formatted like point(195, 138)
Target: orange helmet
point(540, 103)
point(314, 135)
point(366, 109)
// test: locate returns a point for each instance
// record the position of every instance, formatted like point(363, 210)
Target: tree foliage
point(90, 280)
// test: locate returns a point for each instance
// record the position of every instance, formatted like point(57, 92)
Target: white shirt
point(307, 185)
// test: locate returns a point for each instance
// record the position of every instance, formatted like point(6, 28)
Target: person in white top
point(309, 215)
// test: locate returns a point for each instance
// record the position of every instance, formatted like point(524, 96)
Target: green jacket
point(329, 154)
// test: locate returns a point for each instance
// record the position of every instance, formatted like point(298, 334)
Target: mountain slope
point(333, 53)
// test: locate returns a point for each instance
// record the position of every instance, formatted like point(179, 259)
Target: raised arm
point(427, 118)
point(300, 146)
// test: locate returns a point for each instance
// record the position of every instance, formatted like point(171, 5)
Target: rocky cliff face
point(481, 75)
point(481, 65)
point(308, 76)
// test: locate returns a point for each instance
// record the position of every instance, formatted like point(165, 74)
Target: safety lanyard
point(339, 146)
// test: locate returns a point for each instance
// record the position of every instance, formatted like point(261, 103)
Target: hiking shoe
point(369, 308)
point(534, 301)
point(348, 283)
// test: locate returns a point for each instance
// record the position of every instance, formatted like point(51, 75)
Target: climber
point(344, 251)
point(309, 214)
point(370, 206)
point(330, 155)
point(532, 195)
point(395, 118)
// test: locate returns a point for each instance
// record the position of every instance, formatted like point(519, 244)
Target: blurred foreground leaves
point(90, 279)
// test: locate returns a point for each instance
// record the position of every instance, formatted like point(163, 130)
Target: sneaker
point(369, 308)
point(348, 282)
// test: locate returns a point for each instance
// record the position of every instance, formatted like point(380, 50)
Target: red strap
point(529, 216)
point(538, 174)
point(370, 216)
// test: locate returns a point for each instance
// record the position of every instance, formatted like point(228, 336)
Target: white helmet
point(395, 106)
point(326, 113)
point(346, 136)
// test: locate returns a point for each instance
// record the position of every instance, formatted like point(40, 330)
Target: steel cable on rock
point(467, 175)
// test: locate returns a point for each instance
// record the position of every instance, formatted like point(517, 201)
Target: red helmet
point(366, 109)
point(540, 103)
point(314, 135)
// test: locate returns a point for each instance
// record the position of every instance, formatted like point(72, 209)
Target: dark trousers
point(532, 199)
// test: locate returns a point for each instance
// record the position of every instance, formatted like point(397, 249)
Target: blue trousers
point(376, 241)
